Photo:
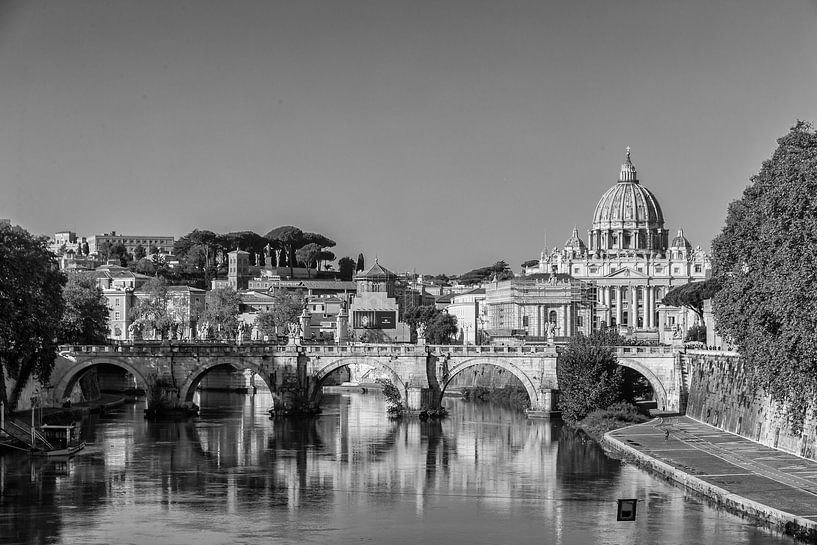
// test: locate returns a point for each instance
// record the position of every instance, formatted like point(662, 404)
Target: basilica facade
point(628, 263)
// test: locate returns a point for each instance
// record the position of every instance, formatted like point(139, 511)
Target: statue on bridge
point(294, 332)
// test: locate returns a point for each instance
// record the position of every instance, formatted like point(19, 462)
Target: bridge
point(295, 373)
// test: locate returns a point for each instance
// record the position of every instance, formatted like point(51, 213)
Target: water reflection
point(484, 475)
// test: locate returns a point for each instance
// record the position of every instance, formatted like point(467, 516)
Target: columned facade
point(630, 261)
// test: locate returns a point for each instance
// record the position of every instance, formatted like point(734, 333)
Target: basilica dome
point(628, 216)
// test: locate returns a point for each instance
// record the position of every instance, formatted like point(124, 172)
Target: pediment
point(627, 273)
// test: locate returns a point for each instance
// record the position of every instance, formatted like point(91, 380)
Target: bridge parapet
point(641, 351)
point(526, 351)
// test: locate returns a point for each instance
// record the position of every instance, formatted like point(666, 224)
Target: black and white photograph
point(405, 272)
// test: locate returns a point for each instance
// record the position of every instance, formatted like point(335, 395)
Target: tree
point(439, 326)
point(308, 255)
point(346, 266)
point(103, 250)
point(766, 261)
point(120, 252)
point(500, 269)
point(286, 309)
point(155, 309)
point(692, 295)
point(85, 248)
point(85, 319)
point(31, 306)
point(221, 309)
point(360, 263)
point(139, 252)
point(589, 377)
point(289, 239)
point(196, 252)
point(325, 258)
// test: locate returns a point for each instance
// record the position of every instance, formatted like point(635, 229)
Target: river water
point(483, 475)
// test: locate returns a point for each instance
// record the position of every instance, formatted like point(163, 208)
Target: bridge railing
point(641, 351)
point(215, 348)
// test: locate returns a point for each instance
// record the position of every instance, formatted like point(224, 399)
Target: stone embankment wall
point(721, 394)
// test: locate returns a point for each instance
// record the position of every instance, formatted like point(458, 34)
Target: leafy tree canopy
point(221, 309)
point(85, 320)
point(286, 309)
point(439, 327)
point(692, 295)
point(346, 266)
point(31, 306)
point(589, 377)
point(766, 261)
point(476, 276)
point(308, 255)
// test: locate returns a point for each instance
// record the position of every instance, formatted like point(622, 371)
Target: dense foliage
point(692, 295)
point(286, 309)
point(589, 377)
point(221, 310)
point(346, 268)
point(617, 415)
point(155, 311)
point(500, 270)
point(766, 261)
point(394, 402)
point(437, 326)
point(31, 306)
point(85, 319)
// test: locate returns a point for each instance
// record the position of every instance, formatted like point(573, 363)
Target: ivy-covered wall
point(721, 394)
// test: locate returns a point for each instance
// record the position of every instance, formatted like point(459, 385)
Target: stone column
point(650, 307)
point(566, 320)
point(607, 312)
point(618, 305)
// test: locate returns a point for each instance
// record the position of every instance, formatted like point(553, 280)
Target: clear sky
point(438, 135)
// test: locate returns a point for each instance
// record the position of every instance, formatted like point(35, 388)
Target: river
point(483, 475)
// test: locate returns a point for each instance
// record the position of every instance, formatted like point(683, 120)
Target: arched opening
point(501, 369)
point(642, 387)
point(485, 382)
point(357, 374)
point(228, 386)
point(94, 380)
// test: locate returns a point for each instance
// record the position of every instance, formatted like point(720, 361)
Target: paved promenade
point(741, 474)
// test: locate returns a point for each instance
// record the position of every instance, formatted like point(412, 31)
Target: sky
point(438, 136)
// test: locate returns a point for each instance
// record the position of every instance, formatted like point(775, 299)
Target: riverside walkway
point(773, 486)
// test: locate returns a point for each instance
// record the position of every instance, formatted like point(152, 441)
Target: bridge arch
point(333, 365)
point(66, 383)
point(502, 363)
point(188, 388)
point(657, 386)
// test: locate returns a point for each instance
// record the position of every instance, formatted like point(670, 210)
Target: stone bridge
point(294, 373)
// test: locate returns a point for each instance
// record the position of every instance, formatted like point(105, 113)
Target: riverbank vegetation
point(617, 415)
point(766, 262)
point(597, 395)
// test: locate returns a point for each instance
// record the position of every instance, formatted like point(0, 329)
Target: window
point(579, 321)
point(524, 321)
point(577, 270)
point(698, 268)
point(116, 315)
point(676, 270)
point(593, 270)
point(116, 302)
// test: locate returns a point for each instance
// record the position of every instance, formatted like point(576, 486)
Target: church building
point(630, 261)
